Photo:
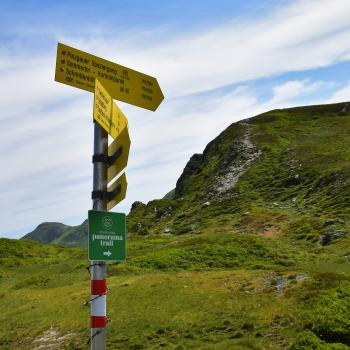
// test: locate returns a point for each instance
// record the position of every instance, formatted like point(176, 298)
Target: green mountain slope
point(285, 172)
point(250, 251)
point(46, 232)
point(74, 236)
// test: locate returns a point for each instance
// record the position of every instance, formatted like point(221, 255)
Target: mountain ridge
point(58, 233)
point(257, 166)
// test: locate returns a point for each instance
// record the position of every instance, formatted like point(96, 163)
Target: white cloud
point(341, 95)
point(46, 133)
point(307, 34)
point(291, 89)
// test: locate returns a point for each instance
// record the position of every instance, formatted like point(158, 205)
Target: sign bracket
point(111, 159)
point(106, 195)
point(99, 158)
point(102, 158)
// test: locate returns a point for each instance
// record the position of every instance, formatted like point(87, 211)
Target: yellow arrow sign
point(119, 147)
point(107, 113)
point(119, 187)
point(79, 69)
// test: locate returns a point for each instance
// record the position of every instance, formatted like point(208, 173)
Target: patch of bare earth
point(52, 339)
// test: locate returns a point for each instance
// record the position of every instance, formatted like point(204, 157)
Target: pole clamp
point(109, 160)
point(98, 195)
point(99, 158)
point(102, 195)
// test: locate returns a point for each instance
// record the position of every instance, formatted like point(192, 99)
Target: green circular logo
point(107, 222)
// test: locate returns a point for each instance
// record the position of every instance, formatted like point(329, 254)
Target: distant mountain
point(47, 232)
point(55, 232)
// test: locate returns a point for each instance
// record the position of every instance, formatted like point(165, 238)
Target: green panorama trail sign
point(107, 236)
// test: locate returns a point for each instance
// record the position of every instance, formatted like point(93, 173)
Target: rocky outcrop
point(163, 212)
point(242, 153)
point(334, 229)
point(235, 162)
point(194, 166)
point(137, 205)
point(332, 235)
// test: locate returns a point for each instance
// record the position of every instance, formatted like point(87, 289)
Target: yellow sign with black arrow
point(107, 113)
point(116, 192)
point(118, 154)
point(80, 69)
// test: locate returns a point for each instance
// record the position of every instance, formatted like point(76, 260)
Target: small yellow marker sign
point(107, 113)
point(80, 69)
point(122, 142)
point(121, 181)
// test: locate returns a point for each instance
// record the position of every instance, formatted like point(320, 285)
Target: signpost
point(107, 239)
point(107, 231)
point(98, 270)
point(80, 69)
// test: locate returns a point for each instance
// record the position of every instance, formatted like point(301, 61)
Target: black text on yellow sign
point(107, 113)
point(119, 186)
point(80, 69)
point(121, 147)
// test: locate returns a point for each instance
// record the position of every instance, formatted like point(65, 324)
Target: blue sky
point(138, 14)
point(216, 61)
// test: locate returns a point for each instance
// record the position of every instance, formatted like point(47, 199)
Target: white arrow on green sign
point(107, 236)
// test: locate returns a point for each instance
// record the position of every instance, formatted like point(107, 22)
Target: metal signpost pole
point(98, 268)
point(131, 87)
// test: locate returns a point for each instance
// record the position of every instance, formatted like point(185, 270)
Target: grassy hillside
point(213, 291)
point(297, 181)
point(250, 251)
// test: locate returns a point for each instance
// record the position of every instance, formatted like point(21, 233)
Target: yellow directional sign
point(79, 69)
point(120, 146)
point(120, 195)
point(107, 113)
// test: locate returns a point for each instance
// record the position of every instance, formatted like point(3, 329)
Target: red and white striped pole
point(98, 316)
point(98, 269)
point(98, 303)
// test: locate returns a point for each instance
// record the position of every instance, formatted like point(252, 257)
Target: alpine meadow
point(175, 175)
point(251, 250)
